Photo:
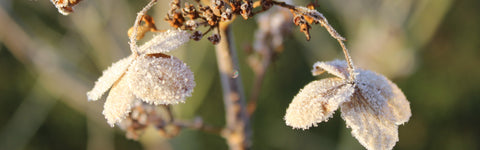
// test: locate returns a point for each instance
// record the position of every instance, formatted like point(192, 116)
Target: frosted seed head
point(165, 42)
point(337, 67)
point(161, 79)
point(109, 77)
point(118, 103)
point(317, 102)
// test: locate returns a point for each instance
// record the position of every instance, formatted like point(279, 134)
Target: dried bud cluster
point(372, 106)
point(150, 76)
point(65, 7)
point(191, 16)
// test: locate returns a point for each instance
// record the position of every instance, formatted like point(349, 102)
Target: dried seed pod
point(197, 35)
point(191, 25)
point(227, 15)
point(217, 4)
point(214, 38)
point(246, 8)
point(161, 79)
point(190, 11)
point(299, 20)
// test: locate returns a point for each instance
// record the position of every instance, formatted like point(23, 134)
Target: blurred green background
point(430, 48)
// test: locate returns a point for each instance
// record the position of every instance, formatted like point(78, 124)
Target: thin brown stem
point(351, 67)
point(237, 131)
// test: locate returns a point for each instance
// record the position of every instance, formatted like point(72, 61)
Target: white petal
point(317, 102)
point(108, 78)
point(373, 130)
point(337, 67)
point(165, 42)
point(118, 103)
point(161, 79)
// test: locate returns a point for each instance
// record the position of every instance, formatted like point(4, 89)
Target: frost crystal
point(372, 106)
point(151, 76)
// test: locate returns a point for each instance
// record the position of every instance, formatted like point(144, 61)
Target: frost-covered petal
point(118, 103)
point(109, 77)
point(399, 105)
point(161, 79)
point(337, 67)
point(317, 102)
point(381, 92)
point(165, 42)
point(372, 129)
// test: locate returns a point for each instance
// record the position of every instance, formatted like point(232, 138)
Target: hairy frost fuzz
point(161, 79)
point(372, 106)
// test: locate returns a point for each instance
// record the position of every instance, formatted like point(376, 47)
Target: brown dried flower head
point(150, 76)
point(372, 106)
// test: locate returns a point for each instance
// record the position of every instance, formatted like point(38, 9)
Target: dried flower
point(150, 76)
point(65, 7)
point(372, 105)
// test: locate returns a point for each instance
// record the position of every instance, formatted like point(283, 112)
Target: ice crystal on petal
point(317, 102)
point(118, 102)
point(161, 79)
point(372, 106)
point(165, 42)
point(108, 78)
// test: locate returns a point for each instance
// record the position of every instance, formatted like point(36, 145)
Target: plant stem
point(138, 19)
point(237, 131)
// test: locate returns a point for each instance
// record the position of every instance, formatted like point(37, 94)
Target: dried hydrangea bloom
point(372, 105)
point(151, 76)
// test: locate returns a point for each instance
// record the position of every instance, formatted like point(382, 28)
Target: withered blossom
point(372, 106)
point(148, 75)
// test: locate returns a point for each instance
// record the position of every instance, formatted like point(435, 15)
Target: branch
point(237, 131)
